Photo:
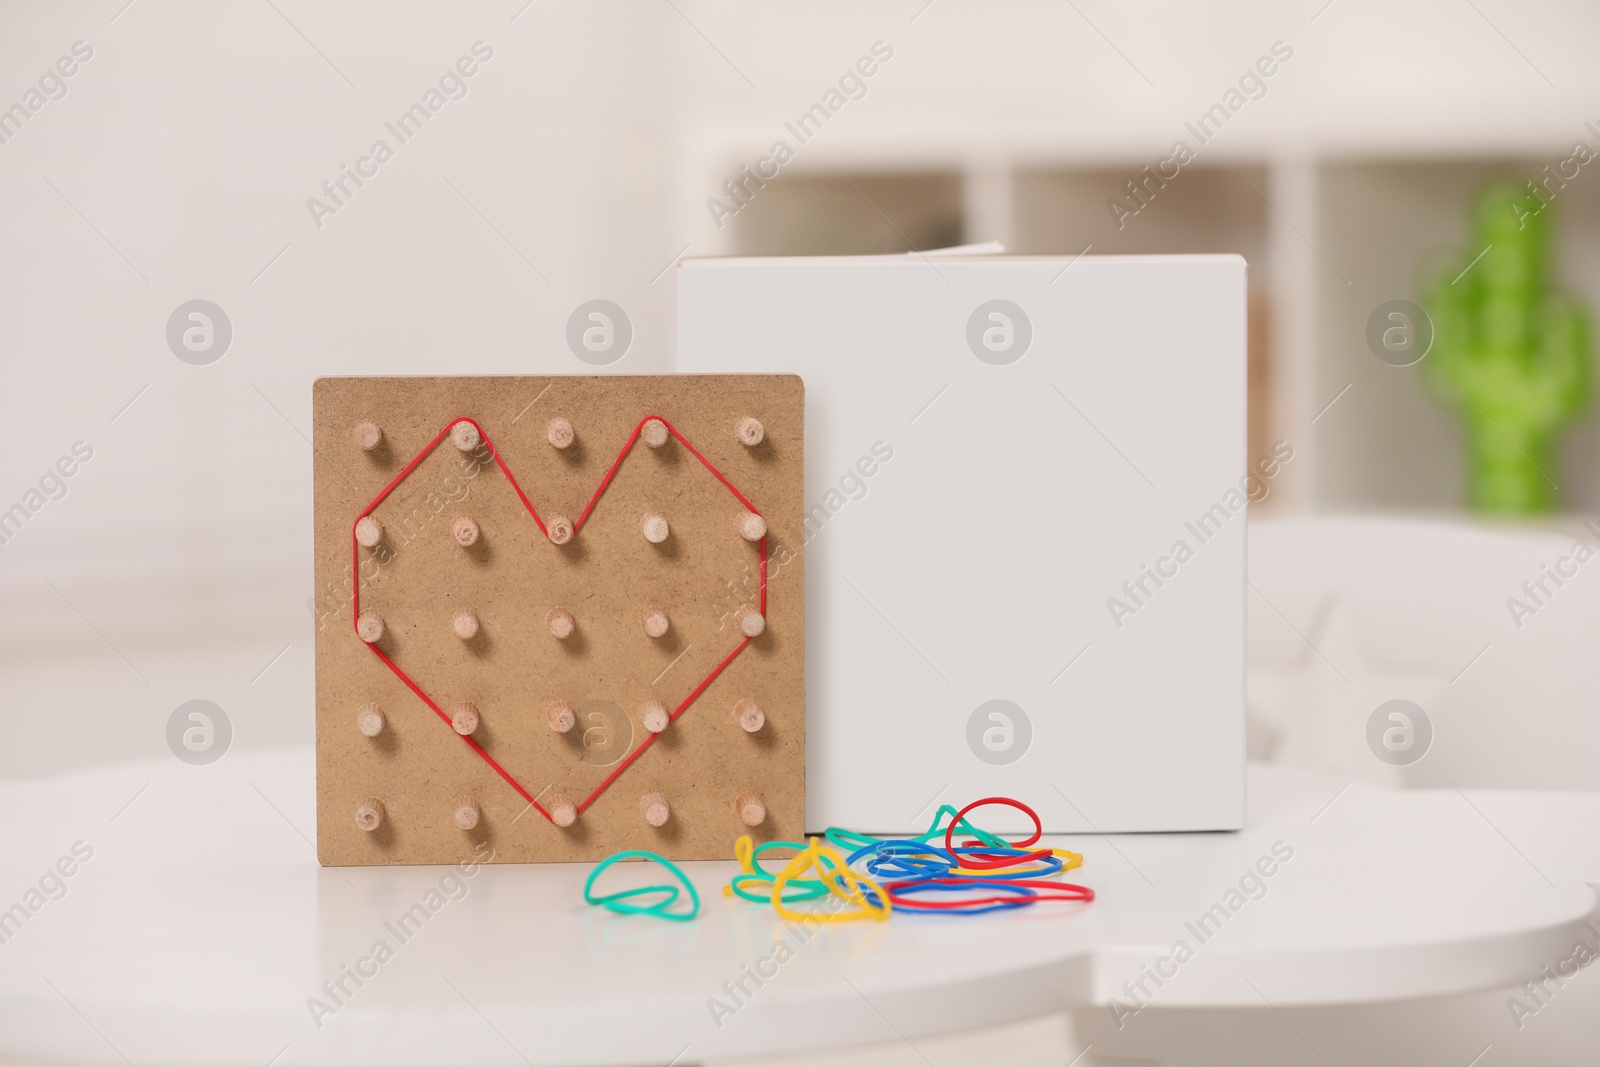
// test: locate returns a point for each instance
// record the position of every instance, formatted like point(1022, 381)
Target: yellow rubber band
point(830, 866)
point(1069, 861)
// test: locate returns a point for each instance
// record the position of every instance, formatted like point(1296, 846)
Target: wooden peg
point(654, 433)
point(465, 624)
point(560, 716)
point(369, 814)
point(749, 431)
point(559, 529)
point(654, 808)
point(465, 436)
point(751, 622)
point(752, 527)
point(561, 623)
point(748, 714)
point(465, 531)
point(559, 433)
point(655, 622)
point(367, 436)
point(369, 626)
point(752, 812)
point(655, 528)
point(466, 814)
point(369, 531)
point(464, 717)
point(369, 719)
point(563, 812)
point(655, 716)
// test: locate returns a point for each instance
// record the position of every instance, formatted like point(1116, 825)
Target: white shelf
point(1327, 240)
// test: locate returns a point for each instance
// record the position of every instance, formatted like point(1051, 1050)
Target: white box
point(994, 446)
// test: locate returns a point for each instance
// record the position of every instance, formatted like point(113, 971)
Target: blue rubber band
point(909, 860)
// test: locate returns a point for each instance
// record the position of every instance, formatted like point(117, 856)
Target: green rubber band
point(796, 890)
point(849, 841)
point(768, 846)
point(619, 901)
point(793, 846)
point(808, 889)
point(984, 836)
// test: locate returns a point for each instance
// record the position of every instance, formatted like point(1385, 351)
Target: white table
point(202, 924)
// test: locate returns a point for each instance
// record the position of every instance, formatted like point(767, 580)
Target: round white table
point(200, 929)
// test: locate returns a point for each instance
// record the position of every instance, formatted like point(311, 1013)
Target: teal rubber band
point(619, 901)
point(809, 889)
point(984, 836)
point(793, 846)
point(797, 889)
point(849, 841)
point(768, 846)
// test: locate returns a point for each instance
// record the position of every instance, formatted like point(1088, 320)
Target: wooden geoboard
point(558, 615)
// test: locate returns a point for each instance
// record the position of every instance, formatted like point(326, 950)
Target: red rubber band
point(913, 903)
point(1077, 892)
point(681, 708)
point(975, 863)
point(355, 611)
point(1056, 892)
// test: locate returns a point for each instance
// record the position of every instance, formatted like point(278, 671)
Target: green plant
point(1510, 354)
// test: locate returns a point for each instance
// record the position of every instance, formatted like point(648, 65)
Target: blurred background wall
point(582, 157)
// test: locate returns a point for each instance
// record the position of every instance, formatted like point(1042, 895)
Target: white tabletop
point(201, 926)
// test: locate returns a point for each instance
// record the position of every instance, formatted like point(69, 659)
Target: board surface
point(418, 578)
point(1024, 530)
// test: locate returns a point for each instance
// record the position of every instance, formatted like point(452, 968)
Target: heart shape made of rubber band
point(588, 510)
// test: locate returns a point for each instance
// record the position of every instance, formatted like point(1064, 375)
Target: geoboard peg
point(563, 812)
point(369, 531)
point(464, 717)
point(751, 621)
point(654, 808)
point(369, 720)
point(654, 527)
point(367, 436)
point(655, 716)
point(748, 714)
point(655, 621)
point(752, 527)
point(560, 716)
point(749, 431)
point(559, 433)
point(369, 814)
point(369, 626)
point(654, 433)
point(465, 436)
point(466, 813)
point(559, 529)
point(465, 531)
point(561, 623)
point(752, 812)
point(465, 625)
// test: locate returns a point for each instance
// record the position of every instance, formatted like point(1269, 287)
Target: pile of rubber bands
point(860, 877)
